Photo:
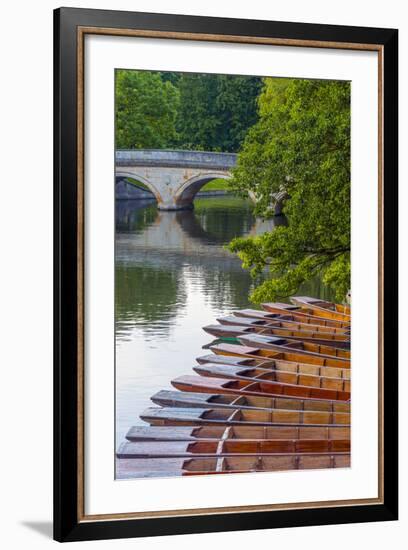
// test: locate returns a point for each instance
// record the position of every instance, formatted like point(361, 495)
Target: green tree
point(170, 77)
point(300, 146)
point(236, 105)
point(216, 110)
point(184, 110)
point(197, 122)
point(146, 110)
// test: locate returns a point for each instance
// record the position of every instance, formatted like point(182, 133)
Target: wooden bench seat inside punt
point(171, 398)
point(295, 356)
point(192, 416)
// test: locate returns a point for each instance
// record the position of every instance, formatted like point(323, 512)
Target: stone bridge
point(174, 177)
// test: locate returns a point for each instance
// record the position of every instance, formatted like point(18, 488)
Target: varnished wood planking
point(261, 389)
point(170, 398)
point(161, 416)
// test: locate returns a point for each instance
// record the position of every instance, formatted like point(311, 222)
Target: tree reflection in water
point(158, 252)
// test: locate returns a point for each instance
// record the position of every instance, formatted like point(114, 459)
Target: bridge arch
point(122, 174)
point(188, 190)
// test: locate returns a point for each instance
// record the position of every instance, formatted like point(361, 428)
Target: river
point(172, 277)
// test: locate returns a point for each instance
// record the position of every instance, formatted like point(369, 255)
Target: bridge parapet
point(176, 158)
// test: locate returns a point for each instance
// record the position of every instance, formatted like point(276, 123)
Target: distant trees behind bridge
point(168, 110)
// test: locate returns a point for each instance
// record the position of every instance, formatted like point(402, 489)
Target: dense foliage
point(146, 110)
point(216, 111)
point(300, 145)
point(184, 110)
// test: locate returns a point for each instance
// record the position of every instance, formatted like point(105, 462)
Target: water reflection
point(157, 251)
point(134, 215)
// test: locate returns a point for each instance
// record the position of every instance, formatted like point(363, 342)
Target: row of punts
point(273, 394)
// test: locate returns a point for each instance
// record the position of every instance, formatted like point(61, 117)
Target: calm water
point(173, 276)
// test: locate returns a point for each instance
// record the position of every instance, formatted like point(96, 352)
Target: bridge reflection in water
point(186, 230)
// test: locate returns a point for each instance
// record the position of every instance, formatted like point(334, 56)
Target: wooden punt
point(159, 467)
point(260, 324)
point(325, 325)
point(276, 343)
point(274, 375)
point(243, 432)
point(296, 356)
point(219, 448)
point(277, 364)
point(317, 302)
point(171, 416)
point(234, 331)
point(259, 388)
point(249, 321)
point(170, 398)
point(303, 316)
point(329, 310)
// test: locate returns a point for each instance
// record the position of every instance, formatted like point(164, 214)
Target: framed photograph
point(225, 274)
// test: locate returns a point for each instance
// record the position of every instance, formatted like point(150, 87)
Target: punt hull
point(281, 415)
point(260, 320)
point(234, 331)
point(240, 387)
point(273, 375)
point(163, 449)
point(208, 417)
point(321, 304)
point(245, 433)
point(280, 353)
point(169, 398)
point(168, 467)
point(318, 323)
point(288, 345)
point(276, 365)
point(321, 308)
point(303, 316)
